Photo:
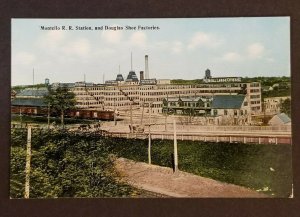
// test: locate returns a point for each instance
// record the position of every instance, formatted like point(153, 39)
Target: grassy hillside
point(266, 168)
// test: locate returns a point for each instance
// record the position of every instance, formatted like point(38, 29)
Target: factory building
point(137, 93)
point(123, 94)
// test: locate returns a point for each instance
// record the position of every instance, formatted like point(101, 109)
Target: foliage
point(65, 165)
point(181, 81)
point(268, 81)
point(60, 100)
point(242, 164)
point(71, 165)
point(285, 107)
point(22, 87)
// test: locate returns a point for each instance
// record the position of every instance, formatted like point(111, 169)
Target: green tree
point(285, 107)
point(60, 100)
point(65, 164)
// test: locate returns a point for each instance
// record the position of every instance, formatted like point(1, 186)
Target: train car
point(42, 110)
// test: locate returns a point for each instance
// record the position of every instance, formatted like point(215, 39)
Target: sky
point(180, 49)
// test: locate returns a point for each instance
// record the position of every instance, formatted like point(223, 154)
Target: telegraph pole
point(28, 158)
point(142, 115)
point(175, 148)
point(48, 116)
point(149, 137)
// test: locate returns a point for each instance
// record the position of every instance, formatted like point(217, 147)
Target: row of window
point(235, 112)
point(254, 90)
point(254, 96)
point(255, 102)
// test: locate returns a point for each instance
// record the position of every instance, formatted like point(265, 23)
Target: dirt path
point(162, 180)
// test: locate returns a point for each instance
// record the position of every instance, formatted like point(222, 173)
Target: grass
point(266, 168)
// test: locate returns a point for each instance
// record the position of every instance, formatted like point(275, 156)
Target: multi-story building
point(121, 95)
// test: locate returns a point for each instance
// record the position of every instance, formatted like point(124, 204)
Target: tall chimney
point(146, 67)
point(141, 75)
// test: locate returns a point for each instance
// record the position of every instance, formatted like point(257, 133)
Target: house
point(231, 110)
point(30, 101)
point(28, 106)
point(217, 110)
point(187, 105)
point(280, 119)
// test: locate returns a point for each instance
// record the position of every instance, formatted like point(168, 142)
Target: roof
point(119, 77)
point(33, 92)
point(284, 118)
point(132, 76)
point(191, 99)
point(35, 102)
point(172, 99)
point(228, 101)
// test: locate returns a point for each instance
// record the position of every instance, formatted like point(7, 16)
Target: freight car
point(78, 113)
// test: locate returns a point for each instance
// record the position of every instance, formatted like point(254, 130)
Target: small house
point(280, 119)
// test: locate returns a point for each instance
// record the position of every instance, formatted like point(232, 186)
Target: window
point(215, 112)
point(235, 112)
point(225, 112)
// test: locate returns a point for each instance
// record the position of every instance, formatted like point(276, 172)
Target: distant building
point(280, 119)
point(32, 93)
point(47, 81)
point(207, 74)
point(29, 101)
point(272, 105)
point(220, 109)
point(121, 94)
point(148, 81)
point(164, 81)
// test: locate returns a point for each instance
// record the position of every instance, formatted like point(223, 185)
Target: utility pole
point(142, 115)
point(28, 158)
point(175, 148)
point(149, 137)
point(48, 116)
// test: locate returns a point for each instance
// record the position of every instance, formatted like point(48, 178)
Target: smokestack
point(146, 67)
point(141, 75)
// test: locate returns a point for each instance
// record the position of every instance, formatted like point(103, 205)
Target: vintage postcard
point(135, 108)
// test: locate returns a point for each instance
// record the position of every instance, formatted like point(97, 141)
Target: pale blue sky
point(181, 48)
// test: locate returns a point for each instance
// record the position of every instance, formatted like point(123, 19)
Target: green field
point(266, 168)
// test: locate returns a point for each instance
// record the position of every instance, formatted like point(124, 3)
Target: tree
point(60, 100)
point(285, 106)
